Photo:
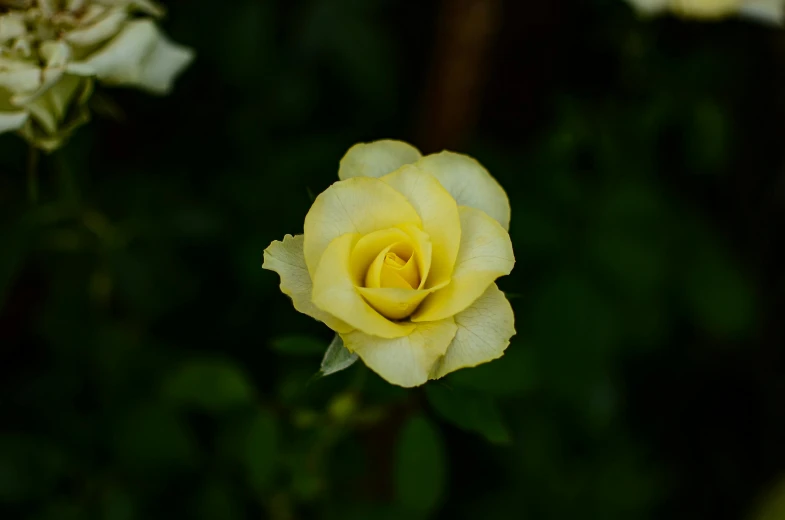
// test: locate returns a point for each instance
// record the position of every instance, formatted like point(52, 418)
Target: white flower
point(52, 52)
point(766, 11)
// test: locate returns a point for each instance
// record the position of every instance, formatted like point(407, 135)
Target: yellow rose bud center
point(395, 267)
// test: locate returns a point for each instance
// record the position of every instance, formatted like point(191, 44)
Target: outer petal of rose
point(406, 361)
point(10, 121)
point(334, 292)
point(702, 9)
point(140, 56)
point(484, 332)
point(485, 254)
point(649, 7)
point(376, 159)
point(100, 31)
point(469, 183)
point(439, 213)
point(360, 205)
point(286, 258)
point(767, 11)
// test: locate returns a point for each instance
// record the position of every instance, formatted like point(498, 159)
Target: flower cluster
point(400, 258)
point(767, 11)
point(52, 52)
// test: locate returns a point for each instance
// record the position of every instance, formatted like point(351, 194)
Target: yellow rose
point(399, 258)
point(770, 11)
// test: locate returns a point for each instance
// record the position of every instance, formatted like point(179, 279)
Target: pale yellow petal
point(439, 213)
point(407, 361)
point(334, 292)
point(485, 254)
point(766, 11)
point(469, 183)
point(368, 249)
point(361, 205)
point(423, 251)
point(396, 304)
point(376, 159)
point(286, 258)
point(484, 332)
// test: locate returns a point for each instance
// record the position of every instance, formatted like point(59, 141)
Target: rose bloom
point(53, 51)
point(399, 258)
point(770, 11)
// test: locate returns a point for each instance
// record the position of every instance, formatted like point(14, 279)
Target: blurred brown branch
point(464, 38)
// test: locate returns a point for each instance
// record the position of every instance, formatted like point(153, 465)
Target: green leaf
point(336, 358)
point(151, 440)
point(420, 466)
point(469, 411)
point(29, 467)
point(719, 297)
point(514, 374)
point(261, 445)
point(298, 345)
point(209, 385)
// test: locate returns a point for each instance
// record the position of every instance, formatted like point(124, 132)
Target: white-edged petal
point(766, 11)
point(140, 56)
point(286, 258)
point(469, 183)
point(360, 205)
point(376, 159)
point(100, 31)
point(407, 361)
point(439, 213)
point(11, 121)
point(485, 254)
point(483, 334)
point(334, 292)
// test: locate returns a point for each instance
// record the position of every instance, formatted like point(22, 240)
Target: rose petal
point(469, 183)
point(485, 254)
point(10, 121)
point(334, 292)
point(439, 214)
point(376, 159)
point(407, 361)
point(766, 11)
point(360, 205)
point(141, 56)
point(484, 332)
point(286, 258)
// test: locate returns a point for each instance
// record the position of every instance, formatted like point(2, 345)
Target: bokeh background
point(150, 369)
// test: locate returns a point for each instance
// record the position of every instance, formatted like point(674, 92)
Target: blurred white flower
point(766, 11)
point(52, 52)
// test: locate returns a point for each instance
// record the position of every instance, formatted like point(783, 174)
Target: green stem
point(32, 174)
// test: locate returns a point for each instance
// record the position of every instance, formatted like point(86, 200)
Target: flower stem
point(32, 174)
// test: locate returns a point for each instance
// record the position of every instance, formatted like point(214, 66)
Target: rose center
point(395, 267)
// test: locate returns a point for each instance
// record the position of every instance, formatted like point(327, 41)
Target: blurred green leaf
point(336, 358)
point(299, 345)
point(29, 467)
point(514, 374)
point(261, 448)
point(718, 296)
point(118, 505)
point(151, 440)
point(420, 465)
point(210, 385)
point(468, 410)
point(217, 500)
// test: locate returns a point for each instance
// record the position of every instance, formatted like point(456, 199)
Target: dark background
point(150, 369)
